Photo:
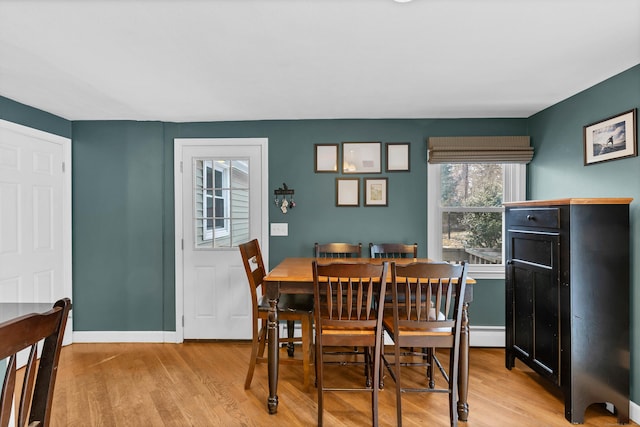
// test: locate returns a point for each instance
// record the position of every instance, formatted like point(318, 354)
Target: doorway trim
point(178, 147)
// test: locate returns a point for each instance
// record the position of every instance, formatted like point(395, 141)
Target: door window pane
point(221, 200)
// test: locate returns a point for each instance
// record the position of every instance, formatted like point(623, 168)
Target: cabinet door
point(534, 293)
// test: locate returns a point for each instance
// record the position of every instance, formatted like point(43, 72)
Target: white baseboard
point(486, 336)
point(481, 336)
point(634, 412)
point(124, 336)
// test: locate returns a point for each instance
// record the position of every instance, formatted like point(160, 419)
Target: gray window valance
point(480, 149)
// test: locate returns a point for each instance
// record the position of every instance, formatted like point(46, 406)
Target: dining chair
point(36, 393)
point(338, 250)
point(426, 312)
point(291, 308)
point(393, 250)
point(354, 356)
point(348, 312)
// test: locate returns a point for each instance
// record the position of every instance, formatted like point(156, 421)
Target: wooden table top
point(299, 269)
point(574, 201)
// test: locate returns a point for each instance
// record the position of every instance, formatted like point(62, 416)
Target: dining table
point(295, 276)
point(12, 310)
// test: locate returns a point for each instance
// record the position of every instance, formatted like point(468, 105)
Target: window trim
point(514, 185)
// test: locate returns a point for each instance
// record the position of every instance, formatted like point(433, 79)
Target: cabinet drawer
point(535, 217)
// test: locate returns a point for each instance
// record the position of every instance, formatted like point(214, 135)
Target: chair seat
point(405, 331)
point(299, 303)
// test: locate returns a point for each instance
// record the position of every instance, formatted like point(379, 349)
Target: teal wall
point(558, 170)
point(123, 228)
point(16, 112)
point(118, 226)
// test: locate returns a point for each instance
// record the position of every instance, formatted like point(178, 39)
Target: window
point(221, 202)
point(216, 198)
point(465, 213)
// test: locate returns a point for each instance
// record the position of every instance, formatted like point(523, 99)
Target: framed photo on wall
point(611, 139)
point(361, 157)
point(348, 192)
point(397, 157)
point(375, 192)
point(326, 158)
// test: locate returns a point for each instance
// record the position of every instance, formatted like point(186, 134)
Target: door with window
point(220, 203)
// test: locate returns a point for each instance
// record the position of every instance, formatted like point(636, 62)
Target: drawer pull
point(530, 217)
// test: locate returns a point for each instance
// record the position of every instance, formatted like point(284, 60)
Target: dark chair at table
point(426, 312)
point(348, 312)
point(36, 393)
point(338, 250)
point(393, 250)
point(291, 308)
point(344, 250)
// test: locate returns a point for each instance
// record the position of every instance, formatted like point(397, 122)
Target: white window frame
point(514, 187)
point(208, 233)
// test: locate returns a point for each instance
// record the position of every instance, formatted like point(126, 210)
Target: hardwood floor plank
point(202, 384)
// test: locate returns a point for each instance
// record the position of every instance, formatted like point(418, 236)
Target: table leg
point(273, 356)
point(463, 375)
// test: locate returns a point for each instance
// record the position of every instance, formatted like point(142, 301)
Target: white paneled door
point(220, 203)
point(35, 215)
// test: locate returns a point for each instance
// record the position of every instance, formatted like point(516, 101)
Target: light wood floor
point(201, 384)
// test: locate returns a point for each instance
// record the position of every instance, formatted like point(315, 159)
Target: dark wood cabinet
point(567, 298)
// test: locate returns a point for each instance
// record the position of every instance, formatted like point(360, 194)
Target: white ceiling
point(207, 60)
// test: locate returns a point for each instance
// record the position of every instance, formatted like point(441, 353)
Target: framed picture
point(612, 138)
point(361, 157)
point(347, 191)
point(326, 158)
point(375, 192)
point(397, 157)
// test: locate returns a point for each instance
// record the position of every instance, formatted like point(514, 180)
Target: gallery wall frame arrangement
point(361, 157)
point(397, 157)
point(348, 192)
point(611, 139)
point(375, 191)
point(326, 158)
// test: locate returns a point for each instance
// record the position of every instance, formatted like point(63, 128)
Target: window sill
point(486, 271)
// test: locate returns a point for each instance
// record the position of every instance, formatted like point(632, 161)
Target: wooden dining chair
point(353, 356)
point(348, 312)
point(426, 312)
point(338, 250)
point(36, 393)
point(291, 308)
point(393, 250)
